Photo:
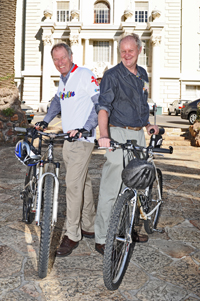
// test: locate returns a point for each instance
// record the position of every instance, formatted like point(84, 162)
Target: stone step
point(174, 137)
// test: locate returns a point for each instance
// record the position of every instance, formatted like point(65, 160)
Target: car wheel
point(169, 113)
point(175, 112)
point(192, 117)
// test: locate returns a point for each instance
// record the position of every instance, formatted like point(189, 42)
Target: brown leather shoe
point(66, 247)
point(88, 234)
point(140, 238)
point(100, 248)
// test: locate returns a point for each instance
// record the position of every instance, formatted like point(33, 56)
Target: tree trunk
point(7, 42)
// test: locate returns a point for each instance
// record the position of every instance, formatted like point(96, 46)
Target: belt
point(127, 127)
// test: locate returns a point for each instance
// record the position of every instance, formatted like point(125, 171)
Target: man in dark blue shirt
point(123, 111)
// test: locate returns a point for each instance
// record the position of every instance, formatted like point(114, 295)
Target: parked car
point(28, 111)
point(176, 106)
point(151, 104)
point(189, 111)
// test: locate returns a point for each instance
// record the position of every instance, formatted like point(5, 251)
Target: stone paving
point(166, 268)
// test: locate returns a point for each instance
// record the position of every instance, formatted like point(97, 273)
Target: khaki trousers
point(79, 195)
point(111, 179)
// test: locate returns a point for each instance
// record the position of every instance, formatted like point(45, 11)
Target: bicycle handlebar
point(85, 134)
point(128, 145)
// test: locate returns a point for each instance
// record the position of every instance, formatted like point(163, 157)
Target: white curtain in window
point(101, 51)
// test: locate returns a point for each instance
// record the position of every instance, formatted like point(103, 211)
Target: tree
point(7, 42)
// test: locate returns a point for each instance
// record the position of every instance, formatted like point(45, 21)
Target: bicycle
point(132, 205)
point(40, 192)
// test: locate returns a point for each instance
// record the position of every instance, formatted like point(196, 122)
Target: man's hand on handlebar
point(41, 125)
point(73, 133)
point(104, 142)
point(152, 129)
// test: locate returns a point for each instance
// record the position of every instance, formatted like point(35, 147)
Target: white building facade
point(169, 29)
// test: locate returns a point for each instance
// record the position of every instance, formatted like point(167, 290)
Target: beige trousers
point(79, 195)
point(111, 179)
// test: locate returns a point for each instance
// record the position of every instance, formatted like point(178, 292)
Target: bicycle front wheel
point(46, 226)
point(119, 247)
point(153, 201)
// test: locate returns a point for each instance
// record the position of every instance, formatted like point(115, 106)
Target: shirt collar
point(65, 78)
point(126, 72)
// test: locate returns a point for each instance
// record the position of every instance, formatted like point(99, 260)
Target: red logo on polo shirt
point(94, 80)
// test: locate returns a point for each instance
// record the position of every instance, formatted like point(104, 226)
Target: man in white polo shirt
point(76, 98)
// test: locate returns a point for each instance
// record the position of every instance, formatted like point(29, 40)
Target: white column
point(48, 29)
point(115, 52)
point(87, 57)
point(155, 73)
point(46, 74)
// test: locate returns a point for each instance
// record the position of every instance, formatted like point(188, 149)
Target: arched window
point(101, 12)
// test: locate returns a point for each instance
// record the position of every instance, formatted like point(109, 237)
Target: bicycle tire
point(117, 254)
point(151, 223)
point(28, 216)
point(46, 227)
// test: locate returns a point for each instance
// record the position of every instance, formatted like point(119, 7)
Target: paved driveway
point(165, 268)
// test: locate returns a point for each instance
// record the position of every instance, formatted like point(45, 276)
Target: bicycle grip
point(20, 129)
point(163, 150)
point(161, 131)
point(86, 134)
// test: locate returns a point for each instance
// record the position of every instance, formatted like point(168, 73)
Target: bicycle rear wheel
point(28, 197)
point(152, 201)
point(119, 247)
point(46, 226)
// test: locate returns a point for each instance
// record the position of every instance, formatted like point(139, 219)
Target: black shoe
point(66, 247)
point(100, 248)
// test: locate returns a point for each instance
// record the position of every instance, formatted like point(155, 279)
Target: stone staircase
point(174, 137)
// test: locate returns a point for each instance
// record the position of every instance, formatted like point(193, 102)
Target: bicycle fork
point(132, 204)
point(39, 195)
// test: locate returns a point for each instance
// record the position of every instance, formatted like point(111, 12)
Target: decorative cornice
point(74, 40)
point(48, 40)
point(128, 14)
point(155, 14)
point(48, 13)
point(75, 15)
point(156, 40)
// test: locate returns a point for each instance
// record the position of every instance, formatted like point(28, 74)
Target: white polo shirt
point(75, 98)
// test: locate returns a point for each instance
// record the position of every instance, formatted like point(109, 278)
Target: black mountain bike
point(40, 192)
point(131, 206)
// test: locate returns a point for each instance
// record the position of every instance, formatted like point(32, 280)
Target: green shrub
point(9, 112)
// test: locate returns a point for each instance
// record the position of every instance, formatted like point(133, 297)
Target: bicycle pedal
point(159, 230)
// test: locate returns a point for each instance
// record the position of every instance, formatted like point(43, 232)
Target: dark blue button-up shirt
point(124, 96)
